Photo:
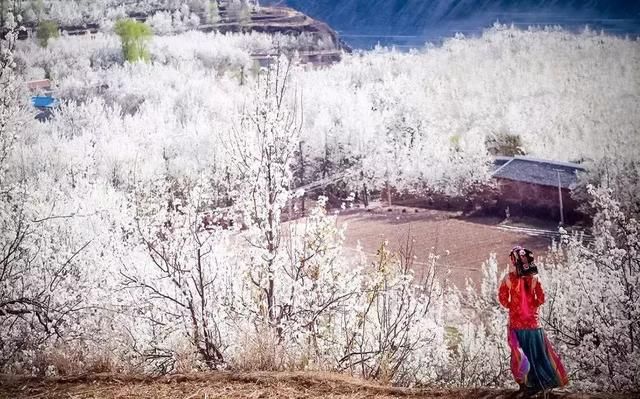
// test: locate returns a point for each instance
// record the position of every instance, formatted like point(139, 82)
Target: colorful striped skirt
point(534, 363)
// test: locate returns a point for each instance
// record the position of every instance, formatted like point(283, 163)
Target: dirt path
point(235, 385)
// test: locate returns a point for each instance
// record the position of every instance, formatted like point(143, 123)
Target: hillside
point(267, 385)
point(119, 254)
point(325, 45)
point(318, 43)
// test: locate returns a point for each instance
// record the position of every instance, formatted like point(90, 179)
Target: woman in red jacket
point(534, 364)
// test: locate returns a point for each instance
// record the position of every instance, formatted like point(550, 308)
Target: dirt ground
point(267, 385)
point(462, 244)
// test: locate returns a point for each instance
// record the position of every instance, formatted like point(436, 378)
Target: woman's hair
point(518, 251)
point(515, 255)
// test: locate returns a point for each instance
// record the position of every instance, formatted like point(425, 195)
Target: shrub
point(46, 31)
point(506, 144)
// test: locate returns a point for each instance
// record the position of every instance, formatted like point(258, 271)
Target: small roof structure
point(538, 171)
point(41, 84)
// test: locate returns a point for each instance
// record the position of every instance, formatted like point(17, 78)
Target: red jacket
point(522, 296)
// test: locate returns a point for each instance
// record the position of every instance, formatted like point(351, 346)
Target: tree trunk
point(365, 195)
point(388, 188)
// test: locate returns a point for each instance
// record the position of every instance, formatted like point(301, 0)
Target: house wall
point(525, 199)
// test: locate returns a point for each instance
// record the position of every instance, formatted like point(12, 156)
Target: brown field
point(267, 385)
point(462, 244)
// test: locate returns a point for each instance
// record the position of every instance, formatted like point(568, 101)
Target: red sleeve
point(538, 293)
point(503, 293)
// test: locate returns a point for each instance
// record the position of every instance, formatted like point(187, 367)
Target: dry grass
point(266, 385)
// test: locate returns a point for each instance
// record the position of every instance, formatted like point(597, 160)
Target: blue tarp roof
point(44, 101)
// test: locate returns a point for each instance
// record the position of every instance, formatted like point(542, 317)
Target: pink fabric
point(519, 363)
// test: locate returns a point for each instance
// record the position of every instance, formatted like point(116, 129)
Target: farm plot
point(462, 244)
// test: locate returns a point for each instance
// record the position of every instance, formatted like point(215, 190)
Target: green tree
point(134, 36)
point(46, 31)
point(214, 12)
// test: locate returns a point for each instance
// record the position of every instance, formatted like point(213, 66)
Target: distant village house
point(536, 187)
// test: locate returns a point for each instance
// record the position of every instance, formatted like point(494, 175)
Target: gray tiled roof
point(539, 171)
